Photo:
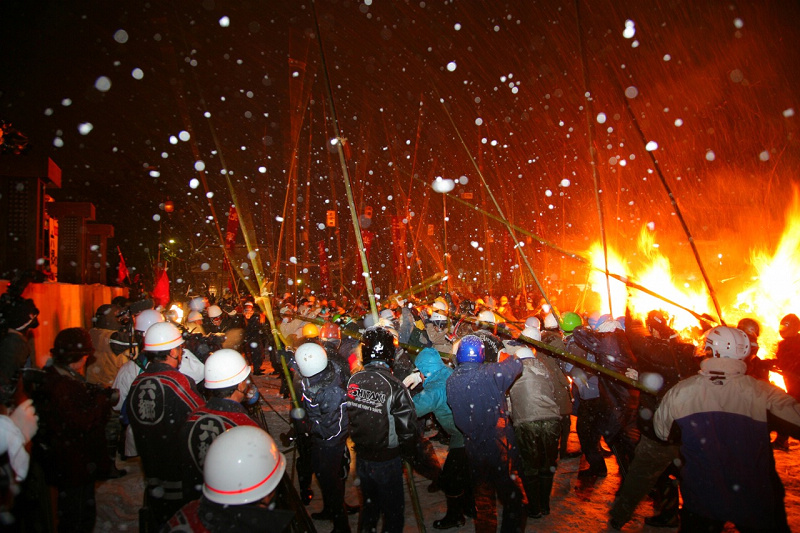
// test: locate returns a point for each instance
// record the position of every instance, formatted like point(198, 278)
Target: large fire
point(767, 293)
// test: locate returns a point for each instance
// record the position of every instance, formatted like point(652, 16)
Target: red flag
point(161, 290)
point(122, 272)
point(232, 229)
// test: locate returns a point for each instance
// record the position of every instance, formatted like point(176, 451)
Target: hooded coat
point(476, 393)
point(433, 398)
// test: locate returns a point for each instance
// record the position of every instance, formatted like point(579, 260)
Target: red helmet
point(330, 331)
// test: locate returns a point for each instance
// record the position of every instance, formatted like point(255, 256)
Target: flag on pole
point(161, 289)
point(232, 229)
point(122, 272)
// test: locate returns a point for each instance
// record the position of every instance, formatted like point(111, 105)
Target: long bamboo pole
point(674, 203)
point(500, 212)
point(578, 257)
point(340, 148)
point(593, 153)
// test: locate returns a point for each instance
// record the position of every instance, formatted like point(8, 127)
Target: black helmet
point(18, 313)
point(377, 344)
point(71, 345)
point(658, 321)
point(107, 317)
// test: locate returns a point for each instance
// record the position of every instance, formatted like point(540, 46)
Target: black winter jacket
point(383, 421)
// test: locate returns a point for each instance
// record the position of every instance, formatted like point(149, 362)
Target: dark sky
point(714, 84)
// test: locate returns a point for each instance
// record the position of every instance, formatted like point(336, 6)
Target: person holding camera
point(71, 443)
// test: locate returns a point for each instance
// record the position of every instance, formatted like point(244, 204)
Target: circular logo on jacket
point(147, 402)
point(203, 432)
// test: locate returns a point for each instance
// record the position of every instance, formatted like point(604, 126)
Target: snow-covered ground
point(575, 505)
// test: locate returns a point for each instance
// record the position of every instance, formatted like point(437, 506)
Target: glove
point(412, 380)
point(408, 450)
point(24, 417)
point(252, 395)
point(12, 442)
point(632, 373)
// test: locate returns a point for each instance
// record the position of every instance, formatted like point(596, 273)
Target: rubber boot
point(340, 522)
point(533, 492)
point(454, 517)
point(545, 488)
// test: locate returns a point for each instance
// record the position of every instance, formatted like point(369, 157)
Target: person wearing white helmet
point(485, 328)
point(436, 327)
point(215, 318)
point(321, 386)
point(728, 472)
point(612, 415)
point(242, 475)
point(227, 386)
point(198, 303)
point(537, 424)
point(533, 322)
point(588, 383)
point(131, 369)
point(160, 401)
point(194, 323)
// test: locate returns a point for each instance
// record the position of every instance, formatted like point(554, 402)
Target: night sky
point(106, 88)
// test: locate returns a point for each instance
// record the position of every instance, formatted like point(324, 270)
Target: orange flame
point(772, 288)
point(654, 273)
point(775, 285)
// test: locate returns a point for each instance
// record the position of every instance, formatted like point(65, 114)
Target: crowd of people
point(679, 417)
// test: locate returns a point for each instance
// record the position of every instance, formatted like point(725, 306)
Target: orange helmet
point(310, 331)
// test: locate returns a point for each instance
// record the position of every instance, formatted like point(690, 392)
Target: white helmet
point(524, 353)
point(532, 333)
point(388, 314)
point(727, 342)
point(369, 320)
point(198, 303)
point(437, 317)
point(147, 318)
point(440, 306)
point(225, 368)
point(214, 311)
point(242, 465)
point(533, 322)
point(486, 316)
point(194, 316)
point(162, 336)
point(311, 359)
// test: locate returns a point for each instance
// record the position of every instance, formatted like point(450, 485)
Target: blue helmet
point(470, 350)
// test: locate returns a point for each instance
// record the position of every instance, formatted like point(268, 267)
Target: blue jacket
point(728, 466)
point(325, 402)
point(433, 398)
point(476, 394)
